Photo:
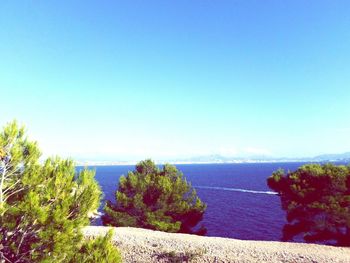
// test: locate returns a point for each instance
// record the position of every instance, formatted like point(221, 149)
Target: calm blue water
point(232, 210)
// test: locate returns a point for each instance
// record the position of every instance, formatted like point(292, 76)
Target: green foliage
point(317, 201)
point(99, 250)
point(153, 198)
point(42, 205)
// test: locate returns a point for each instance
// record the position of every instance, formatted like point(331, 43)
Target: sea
point(239, 202)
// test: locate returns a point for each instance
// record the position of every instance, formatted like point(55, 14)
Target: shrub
point(99, 250)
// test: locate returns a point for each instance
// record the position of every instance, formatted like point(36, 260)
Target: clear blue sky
point(136, 79)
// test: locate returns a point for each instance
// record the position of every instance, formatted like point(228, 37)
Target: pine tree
point(42, 205)
point(316, 199)
point(153, 198)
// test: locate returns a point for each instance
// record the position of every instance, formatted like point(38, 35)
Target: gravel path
point(141, 245)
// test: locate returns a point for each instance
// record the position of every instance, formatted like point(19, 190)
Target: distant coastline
point(219, 159)
point(132, 163)
point(92, 163)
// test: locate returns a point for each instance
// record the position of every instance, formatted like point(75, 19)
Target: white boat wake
point(236, 190)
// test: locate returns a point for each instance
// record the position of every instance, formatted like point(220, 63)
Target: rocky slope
point(141, 245)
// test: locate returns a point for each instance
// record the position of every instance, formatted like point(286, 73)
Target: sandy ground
point(141, 245)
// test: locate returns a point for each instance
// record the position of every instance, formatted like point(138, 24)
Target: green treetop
point(317, 201)
point(42, 205)
point(153, 198)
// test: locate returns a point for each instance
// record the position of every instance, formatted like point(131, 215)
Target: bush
point(153, 198)
point(317, 201)
point(42, 205)
point(99, 250)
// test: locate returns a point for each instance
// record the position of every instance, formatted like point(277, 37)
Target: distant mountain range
point(334, 157)
point(216, 158)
